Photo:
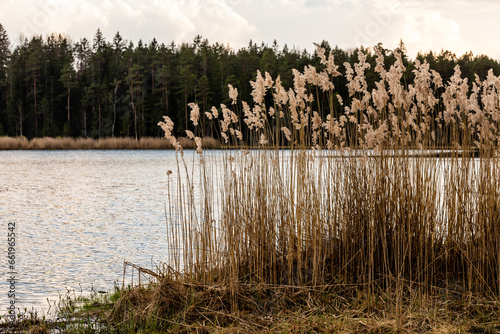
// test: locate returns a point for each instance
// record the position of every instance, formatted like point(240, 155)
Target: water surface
point(79, 215)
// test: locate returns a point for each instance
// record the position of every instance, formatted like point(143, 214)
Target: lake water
point(78, 216)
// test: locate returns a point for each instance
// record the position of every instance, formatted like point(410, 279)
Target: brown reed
point(9, 143)
point(365, 195)
point(383, 209)
point(66, 143)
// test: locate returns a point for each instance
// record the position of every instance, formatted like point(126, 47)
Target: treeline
point(52, 86)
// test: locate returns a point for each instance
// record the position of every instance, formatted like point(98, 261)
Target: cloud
point(431, 30)
point(422, 24)
point(457, 26)
point(167, 20)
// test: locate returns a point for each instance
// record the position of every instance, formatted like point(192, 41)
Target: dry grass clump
point(116, 143)
point(210, 143)
point(146, 143)
point(48, 143)
point(149, 143)
point(206, 143)
point(9, 143)
point(37, 330)
point(124, 143)
point(185, 306)
point(84, 143)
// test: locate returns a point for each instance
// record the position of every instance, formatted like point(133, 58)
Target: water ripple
point(78, 215)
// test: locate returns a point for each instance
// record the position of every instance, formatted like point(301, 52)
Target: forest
point(52, 86)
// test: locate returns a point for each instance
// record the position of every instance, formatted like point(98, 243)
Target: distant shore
point(116, 143)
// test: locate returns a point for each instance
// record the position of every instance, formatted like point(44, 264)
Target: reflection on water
point(79, 214)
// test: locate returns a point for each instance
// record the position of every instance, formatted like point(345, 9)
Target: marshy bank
point(71, 313)
point(173, 303)
point(117, 143)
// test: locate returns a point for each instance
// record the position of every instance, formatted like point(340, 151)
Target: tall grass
point(395, 192)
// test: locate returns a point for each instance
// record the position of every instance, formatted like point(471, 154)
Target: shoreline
point(172, 303)
point(116, 143)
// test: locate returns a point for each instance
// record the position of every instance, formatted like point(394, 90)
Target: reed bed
point(340, 202)
point(10, 143)
point(67, 143)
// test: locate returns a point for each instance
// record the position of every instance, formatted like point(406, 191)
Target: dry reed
point(360, 197)
point(147, 143)
point(9, 143)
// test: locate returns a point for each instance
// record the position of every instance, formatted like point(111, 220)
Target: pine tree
point(4, 78)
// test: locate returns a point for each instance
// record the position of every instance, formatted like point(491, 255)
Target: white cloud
point(422, 24)
point(167, 20)
point(458, 26)
point(431, 30)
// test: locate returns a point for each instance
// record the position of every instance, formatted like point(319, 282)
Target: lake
point(78, 216)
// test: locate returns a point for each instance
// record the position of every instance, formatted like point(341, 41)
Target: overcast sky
point(423, 25)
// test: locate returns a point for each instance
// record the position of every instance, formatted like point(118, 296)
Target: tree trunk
point(69, 93)
point(36, 111)
point(114, 112)
point(185, 107)
point(20, 120)
point(85, 121)
point(99, 110)
point(134, 110)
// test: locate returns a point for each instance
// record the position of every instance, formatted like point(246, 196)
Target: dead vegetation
point(179, 305)
point(125, 143)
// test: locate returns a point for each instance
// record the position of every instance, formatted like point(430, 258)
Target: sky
point(459, 26)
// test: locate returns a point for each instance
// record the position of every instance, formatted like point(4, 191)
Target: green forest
point(53, 86)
